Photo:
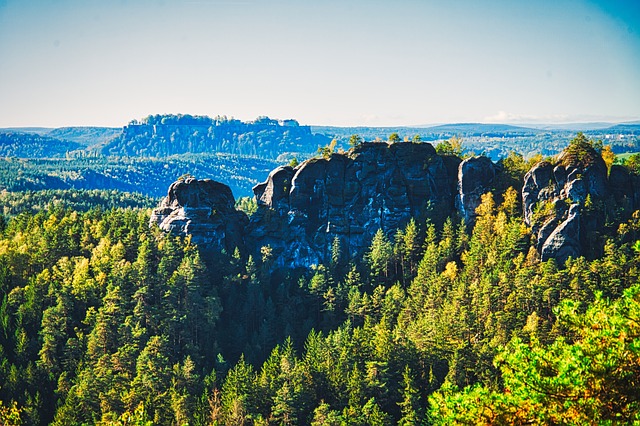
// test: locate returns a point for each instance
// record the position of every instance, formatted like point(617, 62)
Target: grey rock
point(538, 179)
point(349, 196)
point(565, 188)
point(564, 241)
point(475, 177)
point(203, 209)
point(274, 192)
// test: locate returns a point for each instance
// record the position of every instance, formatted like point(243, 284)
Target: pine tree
point(410, 405)
point(379, 255)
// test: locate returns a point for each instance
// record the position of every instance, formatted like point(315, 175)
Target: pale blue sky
point(331, 62)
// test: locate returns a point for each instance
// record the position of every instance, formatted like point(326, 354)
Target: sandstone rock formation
point(204, 209)
point(475, 177)
point(349, 196)
point(564, 201)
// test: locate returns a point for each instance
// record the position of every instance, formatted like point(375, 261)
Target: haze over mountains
point(147, 155)
point(232, 133)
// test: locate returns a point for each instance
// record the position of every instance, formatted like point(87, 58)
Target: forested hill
point(164, 135)
point(498, 140)
point(86, 136)
point(107, 320)
point(31, 145)
point(147, 176)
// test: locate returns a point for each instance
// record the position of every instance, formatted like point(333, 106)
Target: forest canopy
point(106, 320)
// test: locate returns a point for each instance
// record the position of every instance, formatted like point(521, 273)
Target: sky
point(322, 62)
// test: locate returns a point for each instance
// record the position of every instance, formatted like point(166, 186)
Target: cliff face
point(349, 197)
point(566, 203)
point(301, 211)
point(165, 135)
point(375, 186)
point(475, 177)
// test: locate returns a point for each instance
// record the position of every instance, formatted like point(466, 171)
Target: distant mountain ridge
point(86, 136)
point(32, 145)
point(481, 128)
point(158, 136)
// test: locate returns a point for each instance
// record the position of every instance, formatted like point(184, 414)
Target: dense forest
point(147, 176)
point(23, 145)
point(106, 320)
point(146, 155)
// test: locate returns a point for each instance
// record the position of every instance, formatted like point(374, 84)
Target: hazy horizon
point(344, 63)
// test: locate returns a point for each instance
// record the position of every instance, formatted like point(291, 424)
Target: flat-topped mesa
point(349, 196)
point(204, 209)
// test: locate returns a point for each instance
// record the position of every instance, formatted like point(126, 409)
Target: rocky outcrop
point(346, 196)
point(349, 196)
point(475, 177)
point(562, 201)
point(205, 210)
point(274, 193)
point(564, 241)
point(624, 187)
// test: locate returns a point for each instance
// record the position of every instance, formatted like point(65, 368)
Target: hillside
point(87, 136)
point(160, 136)
point(147, 176)
point(32, 145)
point(165, 135)
point(496, 140)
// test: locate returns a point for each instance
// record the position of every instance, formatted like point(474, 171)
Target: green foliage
point(136, 418)
point(633, 163)
point(452, 146)
point(326, 151)
point(355, 140)
point(380, 255)
point(29, 145)
point(581, 151)
point(80, 200)
point(10, 416)
point(591, 378)
point(497, 141)
point(249, 205)
point(515, 167)
point(104, 320)
point(148, 176)
point(608, 156)
point(97, 312)
point(394, 137)
point(543, 211)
